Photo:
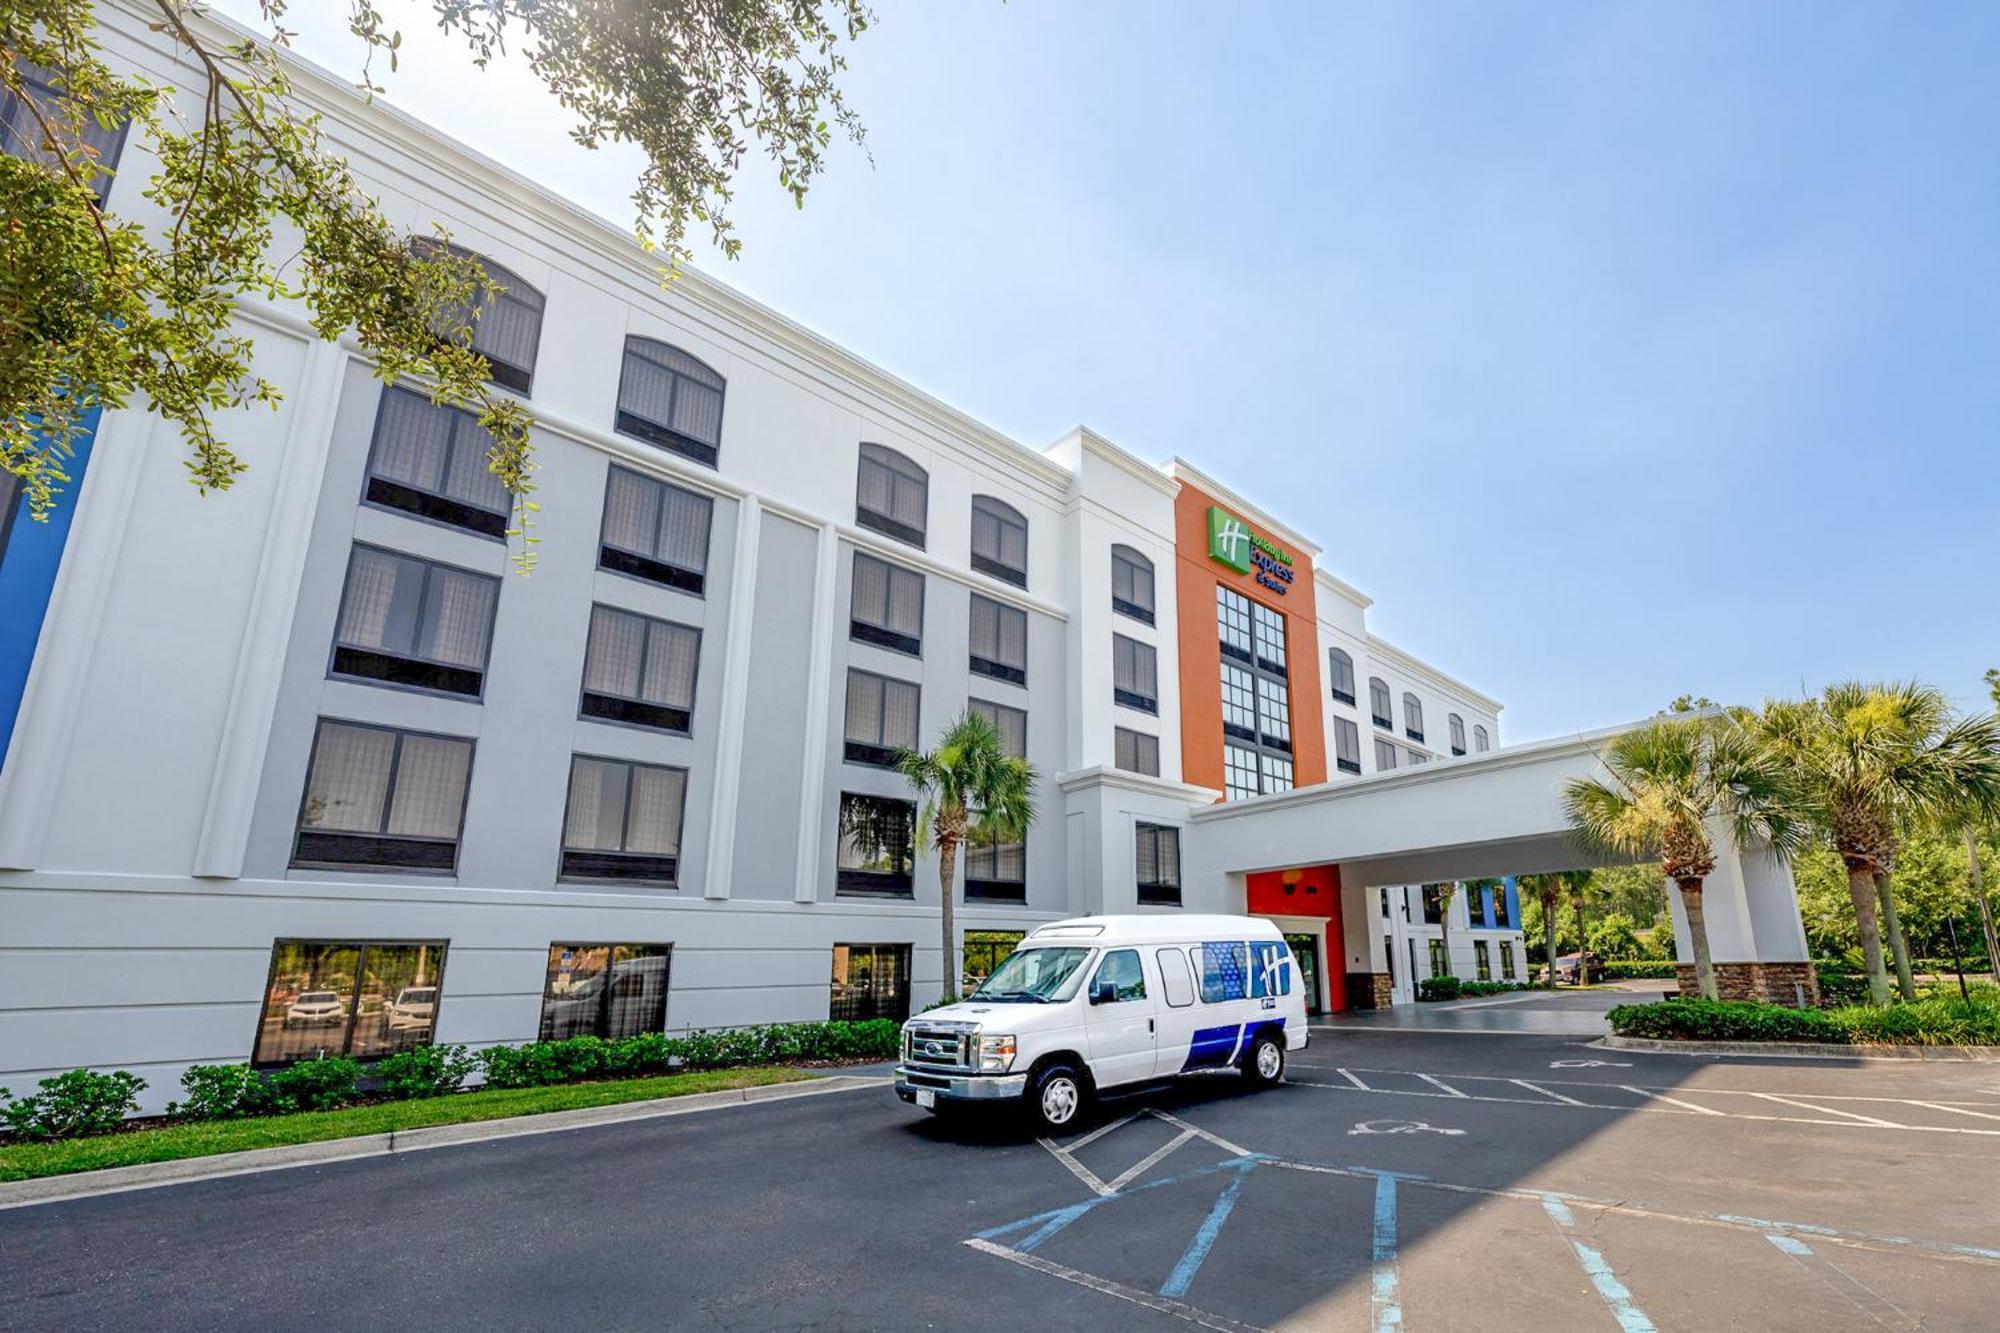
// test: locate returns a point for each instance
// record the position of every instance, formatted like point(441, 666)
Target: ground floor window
point(364, 998)
point(986, 950)
point(1413, 960)
point(1305, 951)
point(1440, 961)
point(1389, 956)
point(1506, 960)
point(1157, 865)
point(870, 981)
point(1483, 958)
point(605, 990)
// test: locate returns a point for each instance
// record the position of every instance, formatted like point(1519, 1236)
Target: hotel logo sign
point(1234, 543)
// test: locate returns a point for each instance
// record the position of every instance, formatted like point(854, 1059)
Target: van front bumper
point(959, 1087)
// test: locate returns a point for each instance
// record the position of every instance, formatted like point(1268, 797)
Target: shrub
point(78, 1101)
point(1446, 987)
point(1648, 969)
point(1490, 987)
point(219, 1092)
point(1721, 1020)
point(309, 1085)
point(422, 1071)
point(538, 1063)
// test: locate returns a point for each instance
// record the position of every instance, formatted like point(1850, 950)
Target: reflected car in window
point(313, 1007)
point(413, 1010)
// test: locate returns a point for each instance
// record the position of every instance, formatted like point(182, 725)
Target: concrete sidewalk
point(1539, 1013)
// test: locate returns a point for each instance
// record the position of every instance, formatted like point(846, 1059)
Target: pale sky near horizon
point(1616, 350)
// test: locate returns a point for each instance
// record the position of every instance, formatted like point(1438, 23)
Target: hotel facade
point(307, 767)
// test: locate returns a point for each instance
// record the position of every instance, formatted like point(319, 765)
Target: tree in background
point(1870, 761)
point(969, 787)
point(99, 310)
point(1664, 782)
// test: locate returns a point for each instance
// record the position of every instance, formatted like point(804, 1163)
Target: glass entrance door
point(1305, 948)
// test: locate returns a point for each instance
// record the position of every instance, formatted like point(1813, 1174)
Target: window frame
point(999, 711)
point(1168, 976)
point(420, 674)
point(1141, 651)
point(992, 507)
point(1381, 703)
point(601, 1027)
point(1481, 742)
point(854, 882)
point(1104, 962)
point(1346, 745)
point(885, 636)
point(1388, 755)
point(882, 456)
point(401, 497)
point(361, 947)
point(511, 286)
point(993, 888)
point(1142, 741)
point(300, 861)
point(1455, 731)
point(991, 667)
point(597, 865)
point(621, 710)
point(1413, 716)
point(630, 423)
point(900, 1000)
point(1255, 681)
point(647, 566)
point(1157, 892)
point(1145, 613)
point(39, 79)
point(877, 753)
point(1338, 662)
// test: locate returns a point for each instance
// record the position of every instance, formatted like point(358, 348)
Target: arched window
point(1457, 727)
point(1413, 716)
point(21, 127)
point(1480, 744)
point(1131, 584)
point(505, 316)
point(1340, 671)
point(892, 495)
point(668, 398)
point(999, 540)
point(1379, 706)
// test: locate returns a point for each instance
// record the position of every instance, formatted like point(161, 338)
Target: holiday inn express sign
point(1234, 543)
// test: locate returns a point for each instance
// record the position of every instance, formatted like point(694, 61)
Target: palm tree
point(1666, 780)
point(1870, 759)
point(970, 787)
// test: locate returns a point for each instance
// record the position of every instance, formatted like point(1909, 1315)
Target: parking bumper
point(959, 1087)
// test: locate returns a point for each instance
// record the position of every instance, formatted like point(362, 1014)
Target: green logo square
point(1228, 539)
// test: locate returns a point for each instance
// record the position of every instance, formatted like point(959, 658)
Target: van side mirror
point(1104, 991)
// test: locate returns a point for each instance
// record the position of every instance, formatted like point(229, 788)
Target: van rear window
point(1270, 968)
point(1223, 968)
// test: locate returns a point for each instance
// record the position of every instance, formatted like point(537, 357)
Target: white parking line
point(1348, 1074)
point(1957, 1110)
point(1440, 1083)
point(1150, 1160)
point(1536, 1087)
point(1671, 1101)
point(1830, 1110)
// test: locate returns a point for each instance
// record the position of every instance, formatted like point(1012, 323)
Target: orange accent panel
point(1195, 580)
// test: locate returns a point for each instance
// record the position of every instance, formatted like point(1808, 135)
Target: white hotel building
point(306, 767)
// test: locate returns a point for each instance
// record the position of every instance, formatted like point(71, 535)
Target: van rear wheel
point(1265, 1061)
point(1056, 1098)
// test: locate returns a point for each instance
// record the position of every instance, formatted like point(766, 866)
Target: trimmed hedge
point(82, 1101)
point(1457, 988)
point(1647, 969)
point(1938, 1020)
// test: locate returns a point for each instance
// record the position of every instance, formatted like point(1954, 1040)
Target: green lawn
point(27, 1161)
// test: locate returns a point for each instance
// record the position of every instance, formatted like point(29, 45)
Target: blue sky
point(1617, 350)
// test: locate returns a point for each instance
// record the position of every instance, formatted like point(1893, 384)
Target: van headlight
point(996, 1053)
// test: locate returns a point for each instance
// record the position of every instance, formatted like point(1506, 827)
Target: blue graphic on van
point(1270, 968)
point(1212, 1048)
point(1222, 972)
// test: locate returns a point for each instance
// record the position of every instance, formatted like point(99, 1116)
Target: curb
point(1803, 1050)
point(151, 1175)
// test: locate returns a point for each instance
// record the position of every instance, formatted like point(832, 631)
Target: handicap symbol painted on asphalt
point(1588, 1064)
point(1400, 1127)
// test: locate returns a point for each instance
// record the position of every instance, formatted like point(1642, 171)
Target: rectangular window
point(1434, 903)
point(1256, 698)
point(611, 991)
point(1440, 961)
point(1175, 979)
point(381, 799)
point(364, 998)
point(1482, 960)
point(21, 131)
point(1239, 773)
point(1507, 960)
point(886, 605)
point(655, 531)
point(1224, 972)
point(1501, 919)
point(870, 981)
point(999, 540)
point(1418, 757)
point(996, 871)
point(1346, 745)
point(414, 622)
point(624, 822)
point(1135, 674)
point(999, 641)
point(1131, 584)
point(1389, 957)
point(1269, 631)
point(986, 950)
point(1136, 752)
point(877, 850)
point(1011, 723)
point(429, 460)
point(639, 670)
point(881, 718)
point(1340, 675)
point(1158, 864)
point(1385, 755)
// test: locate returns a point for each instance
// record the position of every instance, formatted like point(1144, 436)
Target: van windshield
point(1035, 976)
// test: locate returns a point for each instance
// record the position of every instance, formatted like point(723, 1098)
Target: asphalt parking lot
point(1414, 1180)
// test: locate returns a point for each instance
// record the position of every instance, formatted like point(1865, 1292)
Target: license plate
point(926, 1098)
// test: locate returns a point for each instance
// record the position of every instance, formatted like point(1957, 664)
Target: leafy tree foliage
point(101, 310)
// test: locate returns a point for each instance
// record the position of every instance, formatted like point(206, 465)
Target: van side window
point(1120, 970)
point(1175, 977)
point(1270, 968)
point(1222, 971)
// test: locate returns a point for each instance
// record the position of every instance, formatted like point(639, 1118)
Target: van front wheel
point(1265, 1063)
point(1056, 1099)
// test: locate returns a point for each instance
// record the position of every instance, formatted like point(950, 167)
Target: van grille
point(938, 1046)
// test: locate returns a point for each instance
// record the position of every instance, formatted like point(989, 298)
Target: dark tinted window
point(881, 718)
point(414, 622)
point(1136, 752)
point(668, 398)
point(998, 640)
point(505, 315)
point(999, 540)
point(886, 605)
point(364, 998)
point(1135, 674)
point(1131, 584)
point(870, 981)
point(1340, 674)
point(430, 460)
point(892, 495)
point(877, 849)
point(378, 798)
point(656, 531)
point(1122, 975)
point(1158, 863)
point(623, 822)
point(610, 991)
point(640, 670)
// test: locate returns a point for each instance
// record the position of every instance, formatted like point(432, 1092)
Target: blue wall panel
point(27, 578)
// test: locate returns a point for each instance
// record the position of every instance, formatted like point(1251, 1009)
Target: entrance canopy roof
point(1493, 814)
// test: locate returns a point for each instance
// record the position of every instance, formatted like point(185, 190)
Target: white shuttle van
point(1103, 1003)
